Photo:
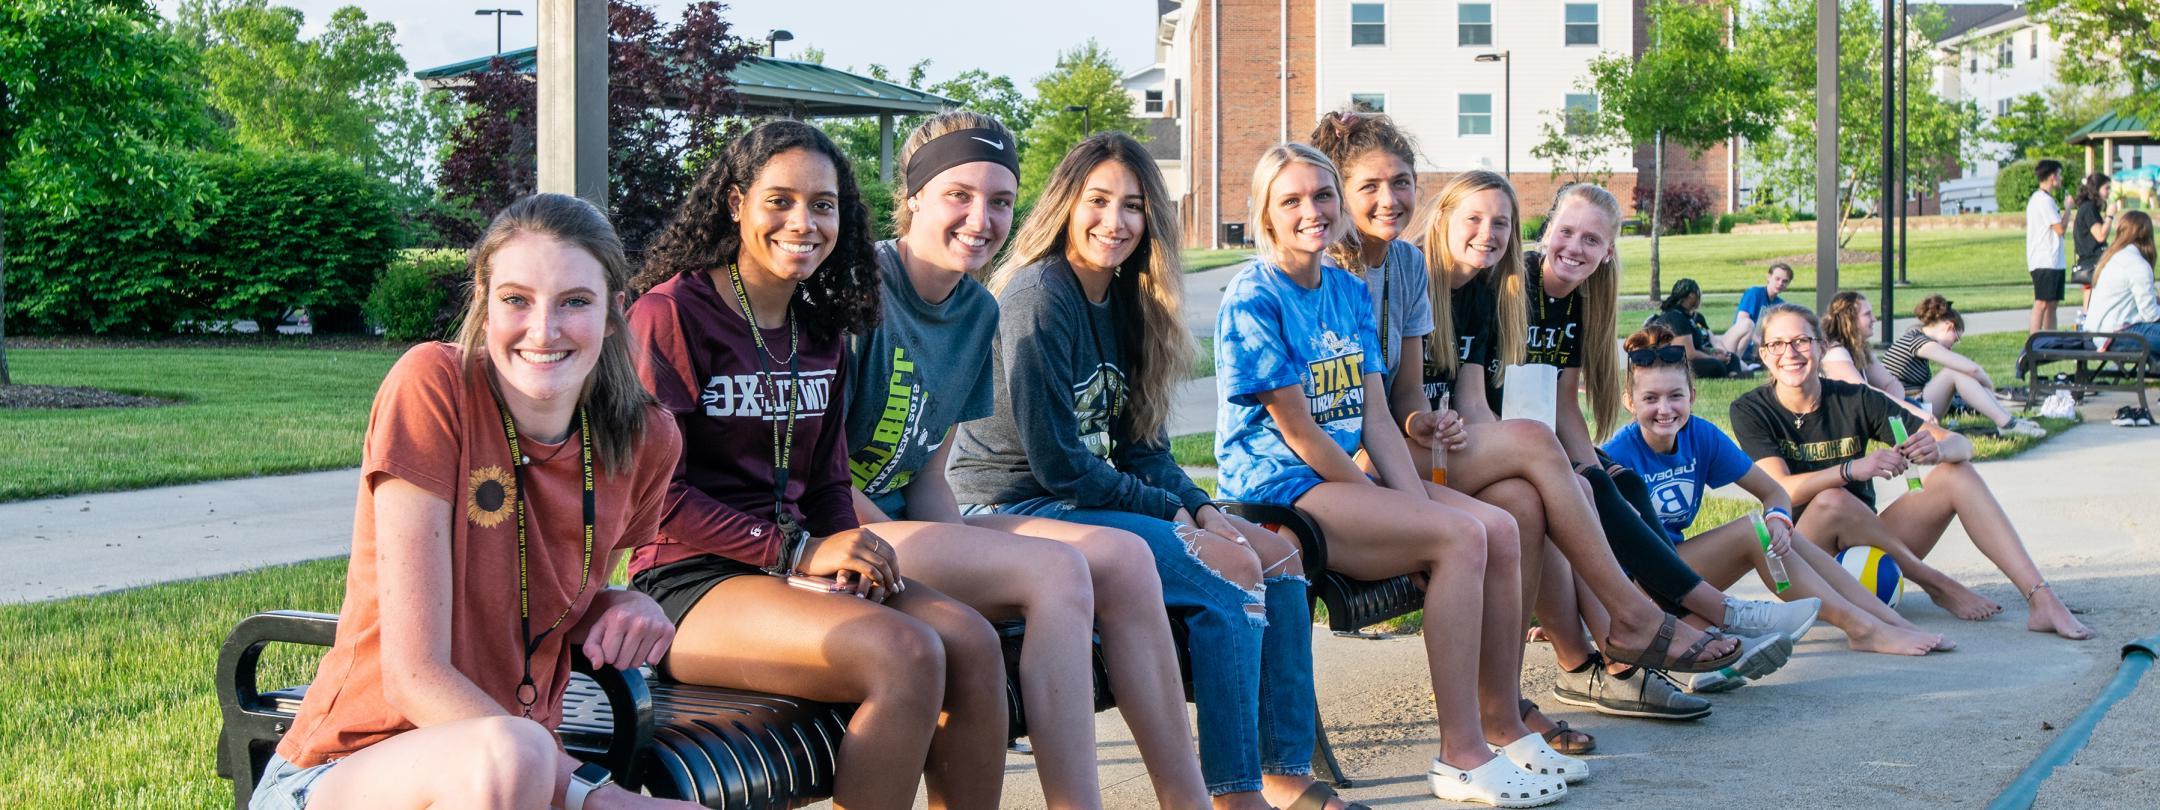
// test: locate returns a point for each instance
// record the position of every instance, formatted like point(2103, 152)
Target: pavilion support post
point(573, 99)
point(2107, 156)
point(884, 146)
point(1827, 211)
point(2089, 158)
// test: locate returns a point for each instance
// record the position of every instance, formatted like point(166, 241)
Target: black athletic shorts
point(2047, 284)
point(679, 585)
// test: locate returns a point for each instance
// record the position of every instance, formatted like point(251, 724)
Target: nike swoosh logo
point(998, 145)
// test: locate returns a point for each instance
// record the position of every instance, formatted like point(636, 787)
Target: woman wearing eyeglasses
point(1812, 434)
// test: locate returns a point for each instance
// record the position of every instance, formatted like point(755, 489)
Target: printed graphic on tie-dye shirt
point(1335, 383)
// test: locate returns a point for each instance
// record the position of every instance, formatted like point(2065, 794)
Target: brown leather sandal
point(1570, 741)
point(1316, 797)
point(1654, 657)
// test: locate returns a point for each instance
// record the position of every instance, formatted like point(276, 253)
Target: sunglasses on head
point(1668, 353)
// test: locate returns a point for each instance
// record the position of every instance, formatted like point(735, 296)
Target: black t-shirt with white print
point(1555, 323)
point(1473, 307)
point(1835, 432)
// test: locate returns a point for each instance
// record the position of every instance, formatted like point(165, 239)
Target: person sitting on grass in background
point(1812, 434)
point(1740, 338)
point(1682, 458)
point(1851, 358)
point(1908, 360)
point(925, 368)
point(761, 563)
point(525, 446)
point(1681, 314)
point(1090, 350)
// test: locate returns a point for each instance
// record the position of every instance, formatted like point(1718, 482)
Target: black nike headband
point(958, 147)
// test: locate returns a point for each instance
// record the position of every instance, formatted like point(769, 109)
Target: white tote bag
point(1529, 393)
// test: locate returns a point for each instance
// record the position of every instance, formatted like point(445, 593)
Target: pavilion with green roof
point(2107, 132)
point(769, 87)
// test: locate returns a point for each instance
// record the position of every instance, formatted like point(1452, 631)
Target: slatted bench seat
point(2123, 366)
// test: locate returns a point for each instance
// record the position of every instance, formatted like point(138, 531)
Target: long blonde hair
point(1271, 165)
point(1512, 310)
point(943, 123)
point(1841, 324)
point(1600, 312)
point(1146, 291)
point(614, 400)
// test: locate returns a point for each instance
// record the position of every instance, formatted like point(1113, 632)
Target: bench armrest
point(1311, 542)
point(630, 703)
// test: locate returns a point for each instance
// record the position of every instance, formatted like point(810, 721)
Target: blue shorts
point(285, 786)
point(1285, 491)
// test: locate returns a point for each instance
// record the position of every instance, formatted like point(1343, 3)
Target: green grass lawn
point(109, 701)
point(1198, 259)
point(1735, 262)
point(243, 412)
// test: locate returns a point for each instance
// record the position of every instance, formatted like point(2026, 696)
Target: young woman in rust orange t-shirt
point(502, 476)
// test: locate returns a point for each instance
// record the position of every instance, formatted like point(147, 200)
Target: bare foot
point(1961, 601)
point(1894, 641)
point(1640, 637)
point(2048, 614)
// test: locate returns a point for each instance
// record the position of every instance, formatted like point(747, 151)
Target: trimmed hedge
point(269, 235)
point(417, 297)
point(2014, 185)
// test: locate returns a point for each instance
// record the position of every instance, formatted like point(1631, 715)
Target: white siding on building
point(1423, 72)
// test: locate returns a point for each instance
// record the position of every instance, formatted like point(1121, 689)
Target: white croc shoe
point(1534, 755)
point(1498, 782)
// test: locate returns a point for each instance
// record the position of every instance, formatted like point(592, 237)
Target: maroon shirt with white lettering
point(694, 351)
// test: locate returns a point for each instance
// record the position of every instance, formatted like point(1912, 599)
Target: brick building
point(1241, 75)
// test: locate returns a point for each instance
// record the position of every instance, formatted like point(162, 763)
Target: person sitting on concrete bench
point(760, 562)
point(1812, 435)
point(501, 475)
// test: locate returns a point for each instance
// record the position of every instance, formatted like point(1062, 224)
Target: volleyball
point(1877, 572)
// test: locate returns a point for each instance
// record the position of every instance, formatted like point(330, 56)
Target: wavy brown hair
point(841, 296)
point(1346, 135)
point(943, 123)
point(1601, 310)
point(614, 400)
point(1936, 309)
point(2133, 232)
point(1505, 277)
point(1146, 291)
point(1841, 326)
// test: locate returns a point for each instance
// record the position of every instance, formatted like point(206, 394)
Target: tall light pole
point(499, 14)
point(1507, 110)
point(1887, 200)
point(1087, 125)
point(773, 40)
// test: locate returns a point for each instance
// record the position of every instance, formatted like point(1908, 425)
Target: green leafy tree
point(978, 90)
point(1085, 76)
point(2109, 48)
point(1689, 88)
point(2031, 129)
point(1579, 144)
point(1780, 35)
point(94, 108)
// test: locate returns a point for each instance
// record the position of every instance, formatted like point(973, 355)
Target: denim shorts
point(285, 786)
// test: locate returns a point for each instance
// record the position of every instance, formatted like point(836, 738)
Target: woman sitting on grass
point(1681, 314)
point(926, 367)
point(1850, 357)
point(1811, 435)
point(739, 334)
point(526, 447)
point(1940, 329)
point(1682, 458)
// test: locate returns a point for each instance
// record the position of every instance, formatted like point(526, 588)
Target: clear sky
point(1018, 38)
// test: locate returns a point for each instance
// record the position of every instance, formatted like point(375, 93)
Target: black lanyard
point(527, 692)
point(783, 443)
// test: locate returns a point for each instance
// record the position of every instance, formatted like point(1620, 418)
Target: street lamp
point(773, 40)
point(1087, 126)
point(1507, 123)
point(499, 13)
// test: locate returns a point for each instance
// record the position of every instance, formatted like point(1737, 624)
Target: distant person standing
point(2044, 245)
point(2089, 222)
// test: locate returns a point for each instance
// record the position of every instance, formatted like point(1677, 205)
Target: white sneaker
point(2022, 427)
point(1751, 617)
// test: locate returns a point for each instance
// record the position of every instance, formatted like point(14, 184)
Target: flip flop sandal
point(1533, 756)
point(1497, 782)
point(1690, 661)
point(1563, 739)
point(1316, 797)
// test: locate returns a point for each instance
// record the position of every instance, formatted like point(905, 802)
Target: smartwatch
point(583, 781)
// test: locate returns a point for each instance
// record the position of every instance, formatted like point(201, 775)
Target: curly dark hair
point(841, 296)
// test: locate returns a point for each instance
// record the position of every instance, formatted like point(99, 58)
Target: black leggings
point(1624, 511)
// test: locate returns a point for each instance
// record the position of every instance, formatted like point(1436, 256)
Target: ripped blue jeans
point(1252, 720)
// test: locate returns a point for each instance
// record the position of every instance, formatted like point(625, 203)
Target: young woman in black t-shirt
point(1812, 435)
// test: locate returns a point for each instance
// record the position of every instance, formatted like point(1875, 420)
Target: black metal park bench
point(723, 748)
point(2124, 365)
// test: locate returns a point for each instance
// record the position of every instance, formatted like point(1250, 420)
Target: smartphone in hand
point(819, 584)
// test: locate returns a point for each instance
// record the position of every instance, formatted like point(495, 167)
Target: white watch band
point(574, 796)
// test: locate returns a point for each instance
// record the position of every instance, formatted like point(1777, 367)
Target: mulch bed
point(60, 396)
point(1798, 260)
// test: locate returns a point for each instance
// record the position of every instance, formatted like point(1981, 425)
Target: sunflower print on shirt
point(490, 494)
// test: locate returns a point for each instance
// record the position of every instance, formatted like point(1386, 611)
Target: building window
point(2005, 55)
point(1582, 24)
point(1474, 114)
point(1369, 102)
point(1473, 24)
point(2002, 106)
point(1152, 102)
point(1581, 113)
point(1368, 24)
point(1975, 68)
point(2035, 53)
